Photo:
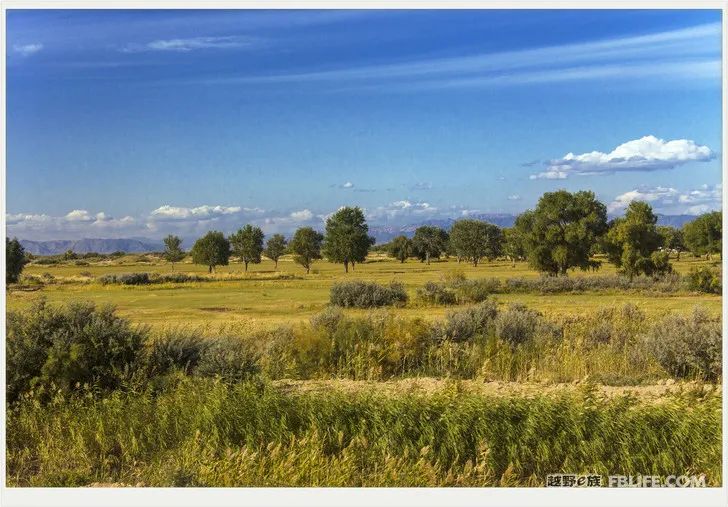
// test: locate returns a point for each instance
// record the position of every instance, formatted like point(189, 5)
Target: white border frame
point(355, 497)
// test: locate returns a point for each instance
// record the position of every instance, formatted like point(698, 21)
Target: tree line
point(564, 231)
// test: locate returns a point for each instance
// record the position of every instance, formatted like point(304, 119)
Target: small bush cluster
point(359, 294)
point(466, 324)
point(705, 279)
point(687, 346)
point(553, 284)
point(147, 278)
point(517, 324)
point(436, 294)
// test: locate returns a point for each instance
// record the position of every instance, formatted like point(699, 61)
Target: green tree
point(560, 233)
point(514, 246)
point(247, 244)
point(429, 242)
point(704, 235)
point(672, 239)
point(632, 242)
point(347, 239)
point(306, 247)
point(475, 239)
point(172, 250)
point(400, 248)
point(15, 260)
point(211, 250)
point(275, 248)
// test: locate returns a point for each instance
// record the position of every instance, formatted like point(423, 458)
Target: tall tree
point(475, 239)
point(347, 239)
point(429, 242)
point(561, 232)
point(632, 242)
point(15, 260)
point(672, 239)
point(306, 247)
point(172, 250)
point(704, 235)
point(247, 244)
point(211, 250)
point(275, 248)
point(514, 244)
point(400, 248)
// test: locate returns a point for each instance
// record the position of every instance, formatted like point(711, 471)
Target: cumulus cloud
point(78, 215)
point(669, 199)
point(348, 184)
point(514, 197)
point(205, 212)
point(75, 223)
point(27, 49)
point(192, 44)
point(301, 216)
point(402, 209)
point(645, 154)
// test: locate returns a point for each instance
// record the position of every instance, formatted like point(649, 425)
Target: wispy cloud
point(645, 154)
point(692, 52)
point(194, 43)
point(669, 199)
point(27, 49)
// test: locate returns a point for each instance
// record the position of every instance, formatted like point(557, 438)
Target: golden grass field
point(265, 296)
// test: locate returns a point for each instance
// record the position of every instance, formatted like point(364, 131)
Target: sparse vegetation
point(358, 294)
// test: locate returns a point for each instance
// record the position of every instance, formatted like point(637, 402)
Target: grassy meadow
point(253, 379)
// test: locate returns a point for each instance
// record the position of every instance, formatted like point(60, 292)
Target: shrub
point(328, 319)
point(175, 348)
point(358, 294)
point(179, 278)
point(126, 279)
point(437, 294)
point(81, 263)
point(704, 279)
point(517, 324)
point(477, 291)
point(615, 325)
point(687, 346)
point(229, 358)
point(69, 346)
point(465, 324)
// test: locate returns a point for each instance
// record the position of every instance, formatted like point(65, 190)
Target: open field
point(260, 298)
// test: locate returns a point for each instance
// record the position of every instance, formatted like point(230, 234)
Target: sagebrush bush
point(477, 291)
point(359, 294)
point(176, 348)
point(230, 358)
point(327, 319)
point(126, 279)
point(179, 278)
point(66, 347)
point(517, 324)
point(671, 282)
point(687, 346)
point(436, 294)
point(615, 325)
point(465, 324)
point(705, 279)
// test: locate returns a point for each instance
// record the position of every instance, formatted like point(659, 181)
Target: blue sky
point(140, 123)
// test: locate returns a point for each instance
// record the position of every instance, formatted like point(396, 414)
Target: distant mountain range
point(382, 234)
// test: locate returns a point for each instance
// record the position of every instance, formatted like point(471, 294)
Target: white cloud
point(79, 215)
point(514, 197)
point(194, 43)
point(401, 209)
point(27, 49)
point(645, 154)
point(302, 216)
point(672, 200)
point(348, 184)
point(205, 212)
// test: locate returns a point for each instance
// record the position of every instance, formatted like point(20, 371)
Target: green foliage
point(126, 279)
point(172, 249)
point(561, 232)
point(358, 294)
point(306, 247)
point(14, 260)
point(176, 348)
point(429, 242)
point(514, 243)
point(436, 294)
point(276, 247)
point(70, 255)
point(672, 239)
point(475, 239)
point(230, 358)
point(632, 242)
point(52, 348)
point(704, 235)
point(400, 248)
point(247, 244)
point(211, 250)
point(517, 324)
point(347, 239)
point(704, 279)
point(464, 325)
point(688, 347)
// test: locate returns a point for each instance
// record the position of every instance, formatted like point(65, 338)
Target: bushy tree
point(275, 248)
point(15, 260)
point(211, 250)
point(172, 250)
point(561, 232)
point(514, 244)
point(632, 242)
point(306, 247)
point(475, 239)
point(429, 242)
point(400, 248)
point(704, 235)
point(347, 239)
point(247, 244)
point(672, 239)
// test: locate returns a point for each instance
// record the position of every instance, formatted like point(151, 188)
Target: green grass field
point(259, 298)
